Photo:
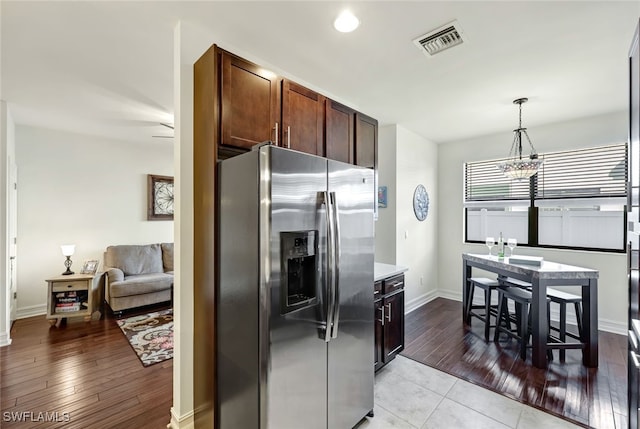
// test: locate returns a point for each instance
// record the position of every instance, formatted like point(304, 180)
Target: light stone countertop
point(548, 270)
point(383, 271)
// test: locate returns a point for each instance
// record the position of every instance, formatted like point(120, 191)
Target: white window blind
point(484, 182)
point(585, 173)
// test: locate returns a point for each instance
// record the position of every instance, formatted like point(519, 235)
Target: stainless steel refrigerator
point(295, 311)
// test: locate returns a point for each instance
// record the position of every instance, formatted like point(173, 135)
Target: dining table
point(540, 277)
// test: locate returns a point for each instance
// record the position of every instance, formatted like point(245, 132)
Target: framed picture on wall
point(159, 197)
point(382, 197)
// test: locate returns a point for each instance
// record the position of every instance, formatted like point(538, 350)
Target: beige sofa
point(138, 275)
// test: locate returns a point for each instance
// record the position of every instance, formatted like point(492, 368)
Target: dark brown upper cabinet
point(249, 103)
point(339, 125)
point(302, 118)
point(366, 141)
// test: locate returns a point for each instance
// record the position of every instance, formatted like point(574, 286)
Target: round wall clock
point(420, 203)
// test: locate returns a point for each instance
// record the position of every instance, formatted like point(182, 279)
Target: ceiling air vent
point(438, 40)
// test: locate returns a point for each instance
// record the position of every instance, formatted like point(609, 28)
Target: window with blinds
point(586, 173)
point(576, 200)
point(484, 182)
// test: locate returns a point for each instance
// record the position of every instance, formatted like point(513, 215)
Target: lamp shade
point(68, 249)
point(520, 169)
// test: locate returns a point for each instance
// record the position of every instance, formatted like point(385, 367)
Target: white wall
point(385, 226)
point(83, 190)
point(585, 132)
point(187, 49)
point(7, 156)
point(407, 160)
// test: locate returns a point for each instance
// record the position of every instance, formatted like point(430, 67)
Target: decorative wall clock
point(159, 197)
point(420, 203)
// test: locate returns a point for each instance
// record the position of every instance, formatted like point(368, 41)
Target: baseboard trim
point(183, 422)
point(419, 301)
point(30, 311)
point(455, 296)
point(5, 339)
point(603, 324)
point(613, 327)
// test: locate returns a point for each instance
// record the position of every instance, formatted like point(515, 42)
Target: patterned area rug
point(150, 335)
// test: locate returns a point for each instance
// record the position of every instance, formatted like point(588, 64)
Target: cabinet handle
point(288, 137)
point(376, 292)
point(276, 128)
point(382, 311)
point(389, 312)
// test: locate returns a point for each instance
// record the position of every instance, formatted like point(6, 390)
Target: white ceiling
point(106, 68)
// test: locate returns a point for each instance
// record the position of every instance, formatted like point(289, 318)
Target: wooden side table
point(75, 295)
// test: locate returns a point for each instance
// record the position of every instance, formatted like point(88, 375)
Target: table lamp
point(67, 250)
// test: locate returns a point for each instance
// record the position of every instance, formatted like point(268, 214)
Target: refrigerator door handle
point(330, 265)
point(336, 268)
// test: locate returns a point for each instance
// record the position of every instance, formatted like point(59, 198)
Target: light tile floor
point(409, 395)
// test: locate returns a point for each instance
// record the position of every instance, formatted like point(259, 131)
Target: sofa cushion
point(135, 259)
point(167, 256)
point(141, 284)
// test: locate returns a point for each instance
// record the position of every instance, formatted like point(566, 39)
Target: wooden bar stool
point(522, 300)
point(488, 286)
point(562, 299)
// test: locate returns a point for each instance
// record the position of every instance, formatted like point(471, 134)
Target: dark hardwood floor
point(88, 370)
point(85, 369)
point(590, 397)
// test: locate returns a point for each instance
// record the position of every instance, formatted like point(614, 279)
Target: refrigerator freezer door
point(350, 354)
point(239, 340)
point(296, 378)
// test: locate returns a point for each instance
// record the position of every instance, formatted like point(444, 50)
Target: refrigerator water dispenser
point(299, 258)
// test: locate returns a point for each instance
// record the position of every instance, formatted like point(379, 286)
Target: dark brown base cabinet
point(389, 320)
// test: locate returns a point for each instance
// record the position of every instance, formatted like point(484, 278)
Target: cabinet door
point(339, 128)
point(378, 348)
point(366, 141)
point(393, 325)
point(302, 118)
point(249, 103)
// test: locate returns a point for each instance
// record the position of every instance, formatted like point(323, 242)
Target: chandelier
point(516, 167)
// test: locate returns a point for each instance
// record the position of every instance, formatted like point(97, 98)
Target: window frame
point(535, 194)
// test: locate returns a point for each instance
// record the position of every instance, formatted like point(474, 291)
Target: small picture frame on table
point(90, 267)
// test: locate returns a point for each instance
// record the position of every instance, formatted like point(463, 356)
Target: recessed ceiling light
point(346, 22)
